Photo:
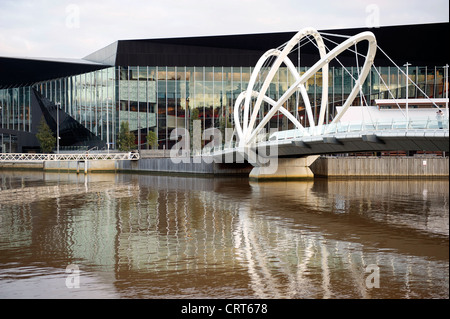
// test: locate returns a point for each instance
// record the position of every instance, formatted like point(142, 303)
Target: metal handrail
point(30, 157)
point(352, 127)
point(380, 125)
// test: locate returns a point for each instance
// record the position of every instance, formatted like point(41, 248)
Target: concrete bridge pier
point(285, 169)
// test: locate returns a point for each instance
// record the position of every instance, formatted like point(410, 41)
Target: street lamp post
point(446, 90)
point(107, 122)
point(57, 127)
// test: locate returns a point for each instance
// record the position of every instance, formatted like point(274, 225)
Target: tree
point(125, 140)
point(224, 123)
point(45, 137)
point(152, 140)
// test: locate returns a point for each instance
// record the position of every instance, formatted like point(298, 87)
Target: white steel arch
point(247, 133)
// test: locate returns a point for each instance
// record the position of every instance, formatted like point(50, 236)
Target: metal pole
point(107, 123)
point(407, 84)
point(446, 90)
point(138, 111)
point(57, 127)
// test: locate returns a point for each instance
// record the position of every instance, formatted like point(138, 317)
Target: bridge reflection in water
point(158, 236)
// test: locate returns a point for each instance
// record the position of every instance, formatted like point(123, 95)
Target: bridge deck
point(348, 142)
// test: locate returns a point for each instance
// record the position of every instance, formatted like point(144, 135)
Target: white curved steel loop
point(247, 134)
point(245, 130)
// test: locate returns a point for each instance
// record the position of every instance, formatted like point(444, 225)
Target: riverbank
point(381, 167)
point(328, 167)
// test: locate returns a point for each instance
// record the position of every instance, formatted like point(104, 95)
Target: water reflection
point(142, 236)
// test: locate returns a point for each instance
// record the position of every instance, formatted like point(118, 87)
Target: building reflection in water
point(159, 236)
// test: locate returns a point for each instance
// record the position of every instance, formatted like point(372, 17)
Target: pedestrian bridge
point(393, 135)
point(289, 154)
point(363, 128)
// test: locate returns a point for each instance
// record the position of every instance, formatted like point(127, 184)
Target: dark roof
point(421, 44)
point(26, 71)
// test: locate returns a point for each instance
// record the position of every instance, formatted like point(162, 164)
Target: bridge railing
point(347, 127)
point(421, 124)
point(29, 157)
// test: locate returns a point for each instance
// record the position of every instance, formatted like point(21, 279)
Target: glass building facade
point(160, 99)
point(15, 115)
point(157, 85)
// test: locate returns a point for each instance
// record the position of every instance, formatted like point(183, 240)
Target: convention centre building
point(156, 85)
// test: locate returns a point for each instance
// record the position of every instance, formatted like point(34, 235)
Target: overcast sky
point(73, 29)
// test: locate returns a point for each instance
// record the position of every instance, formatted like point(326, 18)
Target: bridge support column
point(287, 168)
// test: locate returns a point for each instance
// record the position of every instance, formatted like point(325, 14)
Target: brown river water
point(146, 236)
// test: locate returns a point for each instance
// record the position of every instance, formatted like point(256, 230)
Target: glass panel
point(171, 115)
point(133, 98)
point(429, 82)
point(189, 87)
point(421, 80)
point(29, 113)
point(198, 74)
point(21, 110)
point(384, 86)
point(15, 110)
point(208, 91)
point(162, 106)
point(180, 97)
point(439, 88)
point(218, 116)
